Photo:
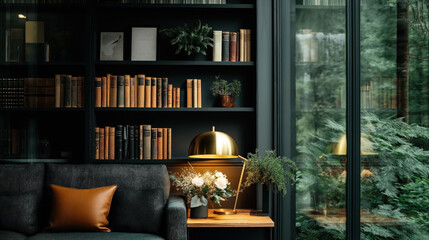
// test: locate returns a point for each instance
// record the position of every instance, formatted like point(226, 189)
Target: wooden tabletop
point(241, 219)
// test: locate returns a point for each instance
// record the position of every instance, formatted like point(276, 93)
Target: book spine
point(113, 91)
point(112, 143)
point(165, 92)
point(74, 92)
point(97, 143)
point(164, 144)
point(248, 45)
point(127, 94)
point(132, 92)
point(153, 93)
point(135, 91)
point(170, 96)
point(159, 92)
point(62, 90)
point(121, 91)
point(97, 92)
point(195, 93)
point(160, 141)
point(103, 92)
point(242, 31)
point(189, 93)
point(174, 97)
point(118, 142)
point(106, 142)
point(101, 142)
point(199, 100)
point(132, 147)
point(154, 143)
point(169, 143)
point(217, 46)
point(233, 47)
point(147, 142)
point(108, 76)
point(141, 142)
point(140, 91)
point(68, 91)
point(57, 90)
point(225, 46)
point(80, 92)
point(148, 95)
point(178, 98)
point(125, 142)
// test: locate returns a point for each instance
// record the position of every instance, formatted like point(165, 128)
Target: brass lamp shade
point(340, 148)
point(213, 145)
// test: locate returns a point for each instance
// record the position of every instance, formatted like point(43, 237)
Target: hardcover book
point(97, 92)
point(121, 91)
point(159, 92)
point(165, 92)
point(154, 143)
point(217, 46)
point(147, 142)
point(153, 93)
point(127, 91)
point(148, 95)
point(118, 142)
point(106, 142)
point(141, 91)
point(225, 46)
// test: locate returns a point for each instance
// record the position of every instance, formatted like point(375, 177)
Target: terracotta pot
point(227, 101)
point(200, 212)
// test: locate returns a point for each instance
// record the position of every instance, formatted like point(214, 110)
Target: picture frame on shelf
point(111, 46)
point(143, 43)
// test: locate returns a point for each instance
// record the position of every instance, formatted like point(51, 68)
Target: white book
point(217, 46)
point(143, 44)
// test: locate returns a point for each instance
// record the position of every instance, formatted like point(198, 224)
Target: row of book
point(232, 46)
point(129, 142)
point(320, 47)
point(69, 91)
point(193, 93)
point(138, 91)
point(324, 2)
point(11, 92)
point(168, 1)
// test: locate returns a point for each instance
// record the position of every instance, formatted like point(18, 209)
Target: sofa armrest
point(176, 214)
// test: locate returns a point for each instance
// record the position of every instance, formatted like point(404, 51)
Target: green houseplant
point(226, 91)
point(190, 40)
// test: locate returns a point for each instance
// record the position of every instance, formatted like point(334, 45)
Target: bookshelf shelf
point(174, 63)
point(181, 6)
point(210, 109)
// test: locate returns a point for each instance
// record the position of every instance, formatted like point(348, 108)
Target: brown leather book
point(132, 92)
point(169, 144)
point(174, 97)
point(108, 90)
point(160, 141)
point(153, 87)
point(97, 92)
point(159, 92)
point(238, 47)
point(127, 90)
point(165, 92)
point(195, 93)
point(242, 47)
point(233, 47)
point(57, 90)
point(148, 95)
point(97, 143)
point(103, 92)
point(147, 142)
point(189, 93)
point(74, 92)
point(113, 91)
point(140, 90)
point(106, 142)
point(112, 143)
point(170, 95)
point(154, 143)
point(178, 98)
point(101, 143)
point(164, 144)
point(141, 142)
point(248, 45)
point(80, 91)
point(199, 100)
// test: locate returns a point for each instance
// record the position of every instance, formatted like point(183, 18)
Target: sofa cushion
point(95, 236)
point(133, 182)
point(5, 235)
point(21, 192)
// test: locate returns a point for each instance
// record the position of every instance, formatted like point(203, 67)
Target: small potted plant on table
point(226, 91)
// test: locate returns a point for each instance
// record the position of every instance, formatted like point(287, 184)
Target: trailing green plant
point(223, 87)
point(195, 39)
point(274, 171)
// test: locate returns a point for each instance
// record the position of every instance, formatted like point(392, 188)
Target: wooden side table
point(241, 225)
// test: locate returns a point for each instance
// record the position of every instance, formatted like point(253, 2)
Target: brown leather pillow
point(81, 209)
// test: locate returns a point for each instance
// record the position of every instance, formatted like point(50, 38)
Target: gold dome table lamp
point(217, 145)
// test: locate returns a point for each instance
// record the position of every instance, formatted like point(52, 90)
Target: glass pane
point(320, 119)
point(395, 119)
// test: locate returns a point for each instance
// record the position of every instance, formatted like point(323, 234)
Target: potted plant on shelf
point(191, 40)
point(226, 91)
point(198, 188)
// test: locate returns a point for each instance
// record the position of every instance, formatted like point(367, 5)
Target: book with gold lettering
point(127, 89)
point(148, 92)
point(141, 90)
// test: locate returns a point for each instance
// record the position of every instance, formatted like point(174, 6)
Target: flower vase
point(200, 212)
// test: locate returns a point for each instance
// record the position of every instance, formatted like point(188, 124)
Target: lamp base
point(224, 211)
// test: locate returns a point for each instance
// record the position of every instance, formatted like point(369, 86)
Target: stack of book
point(168, 1)
point(193, 93)
point(232, 46)
point(11, 92)
point(324, 2)
point(69, 91)
point(137, 91)
point(132, 142)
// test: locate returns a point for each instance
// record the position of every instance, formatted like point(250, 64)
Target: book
point(164, 144)
point(103, 92)
point(68, 91)
point(127, 89)
point(242, 47)
point(133, 92)
point(108, 76)
point(159, 92)
point(148, 92)
point(62, 90)
point(178, 98)
point(165, 92)
point(147, 142)
point(160, 142)
point(199, 100)
point(225, 46)
point(141, 142)
point(112, 143)
point(189, 93)
point(121, 91)
point(169, 137)
point(153, 93)
point(141, 91)
point(106, 142)
point(248, 45)
point(154, 143)
point(125, 142)
point(233, 47)
point(132, 147)
point(113, 91)
point(97, 92)
point(143, 43)
point(101, 142)
point(74, 92)
point(195, 93)
point(111, 46)
point(174, 98)
point(170, 96)
point(97, 143)
point(217, 46)
point(80, 91)
point(57, 91)
point(118, 142)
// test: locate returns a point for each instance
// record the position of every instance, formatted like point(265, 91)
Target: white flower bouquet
point(199, 187)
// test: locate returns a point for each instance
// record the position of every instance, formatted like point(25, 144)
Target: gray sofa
point(142, 208)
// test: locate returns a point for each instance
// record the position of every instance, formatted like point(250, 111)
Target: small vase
point(200, 212)
point(227, 101)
